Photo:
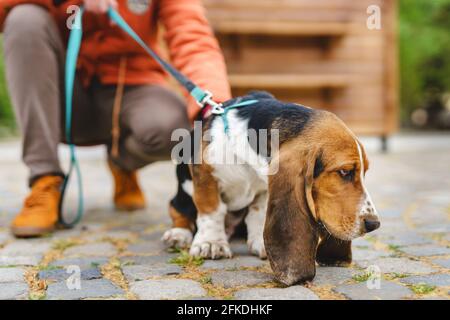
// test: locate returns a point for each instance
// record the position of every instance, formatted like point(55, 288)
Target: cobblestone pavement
point(120, 255)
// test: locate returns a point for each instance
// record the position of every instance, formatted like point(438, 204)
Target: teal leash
point(73, 49)
point(203, 98)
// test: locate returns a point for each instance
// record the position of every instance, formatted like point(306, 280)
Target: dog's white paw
point(256, 247)
point(213, 248)
point(177, 237)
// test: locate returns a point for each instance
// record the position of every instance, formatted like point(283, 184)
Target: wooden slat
point(286, 81)
point(287, 28)
point(289, 4)
point(314, 52)
point(391, 68)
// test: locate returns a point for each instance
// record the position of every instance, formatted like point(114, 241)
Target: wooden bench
point(319, 53)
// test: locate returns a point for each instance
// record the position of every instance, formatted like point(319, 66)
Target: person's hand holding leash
point(99, 6)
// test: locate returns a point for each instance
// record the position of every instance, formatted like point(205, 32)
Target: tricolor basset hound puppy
point(307, 210)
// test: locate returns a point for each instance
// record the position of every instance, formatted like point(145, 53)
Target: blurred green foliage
point(424, 54)
point(424, 35)
point(6, 114)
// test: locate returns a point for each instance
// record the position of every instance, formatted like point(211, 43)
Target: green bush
point(424, 54)
point(6, 114)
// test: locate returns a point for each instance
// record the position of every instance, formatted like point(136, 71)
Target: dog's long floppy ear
point(290, 234)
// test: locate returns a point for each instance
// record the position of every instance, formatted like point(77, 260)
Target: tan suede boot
point(127, 192)
point(39, 214)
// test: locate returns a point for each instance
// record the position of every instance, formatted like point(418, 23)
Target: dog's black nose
point(371, 224)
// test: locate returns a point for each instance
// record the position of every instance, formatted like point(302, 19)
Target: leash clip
point(207, 100)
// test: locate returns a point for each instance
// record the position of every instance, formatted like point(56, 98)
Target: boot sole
point(31, 232)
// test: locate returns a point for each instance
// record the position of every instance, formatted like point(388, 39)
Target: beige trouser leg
point(148, 117)
point(33, 54)
point(34, 57)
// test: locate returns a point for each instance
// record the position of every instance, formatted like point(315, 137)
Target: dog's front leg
point(180, 235)
point(210, 241)
point(255, 225)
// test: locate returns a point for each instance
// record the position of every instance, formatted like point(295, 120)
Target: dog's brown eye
point(346, 174)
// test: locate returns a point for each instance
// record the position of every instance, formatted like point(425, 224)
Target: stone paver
point(152, 236)
point(161, 260)
point(25, 248)
point(11, 274)
point(142, 272)
point(20, 260)
point(82, 263)
point(406, 239)
point(439, 280)
point(326, 276)
point(387, 291)
point(291, 293)
point(398, 265)
point(13, 290)
point(116, 235)
point(23, 253)
point(230, 279)
point(146, 248)
point(368, 254)
point(445, 263)
point(235, 263)
point(100, 288)
point(167, 289)
point(4, 237)
point(426, 250)
point(410, 248)
point(92, 249)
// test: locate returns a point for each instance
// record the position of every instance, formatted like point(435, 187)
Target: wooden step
point(281, 28)
point(288, 81)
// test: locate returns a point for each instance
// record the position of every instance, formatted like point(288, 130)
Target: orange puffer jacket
point(191, 44)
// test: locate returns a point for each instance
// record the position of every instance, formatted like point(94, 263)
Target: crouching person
point(35, 34)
